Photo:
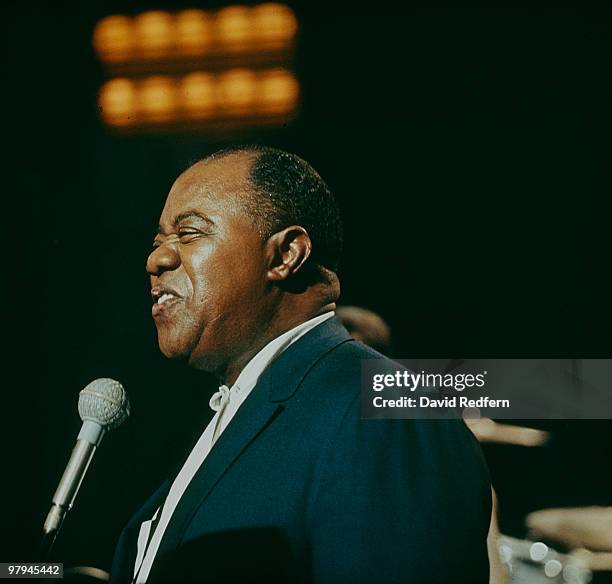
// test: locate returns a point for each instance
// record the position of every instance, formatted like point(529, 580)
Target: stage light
point(274, 23)
point(117, 102)
point(113, 38)
point(249, 33)
point(197, 94)
point(157, 99)
point(154, 32)
point(234, 27)
point(278, 91)
point(237, 97)
point(237, 90)
point(193, 32)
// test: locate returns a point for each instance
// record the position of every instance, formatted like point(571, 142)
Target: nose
point(163, 258)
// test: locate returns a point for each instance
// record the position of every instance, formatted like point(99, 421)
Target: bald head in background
point(366, 326)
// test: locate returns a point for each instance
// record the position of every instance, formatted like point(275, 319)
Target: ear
point(287, 252)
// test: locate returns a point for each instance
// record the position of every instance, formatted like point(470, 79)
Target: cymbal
point(594, 561)
point(487, 430)
point(575, 527)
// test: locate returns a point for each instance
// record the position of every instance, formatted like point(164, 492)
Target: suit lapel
point(252, 417)
point(148, 509)
point(125, 554)
point(277, 384)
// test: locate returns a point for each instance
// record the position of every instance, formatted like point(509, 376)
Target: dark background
point(469, 148)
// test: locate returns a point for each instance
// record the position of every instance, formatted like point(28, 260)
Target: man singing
point(287, 483)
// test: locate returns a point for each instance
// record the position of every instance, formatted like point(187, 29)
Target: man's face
point(208, 269)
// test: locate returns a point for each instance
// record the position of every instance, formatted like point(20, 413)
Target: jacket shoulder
point(340, 370)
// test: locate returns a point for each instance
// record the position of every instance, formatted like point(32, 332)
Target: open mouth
point(163, 299)
point(166, 298)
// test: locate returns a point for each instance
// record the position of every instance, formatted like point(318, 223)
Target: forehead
point(217, 185)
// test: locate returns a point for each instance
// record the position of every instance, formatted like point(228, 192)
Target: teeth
point(165, 297)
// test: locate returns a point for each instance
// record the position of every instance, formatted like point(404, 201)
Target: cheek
point(222, 275)
point(243, 278)
point(197, 265)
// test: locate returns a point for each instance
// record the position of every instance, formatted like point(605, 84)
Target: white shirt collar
point(255, 367)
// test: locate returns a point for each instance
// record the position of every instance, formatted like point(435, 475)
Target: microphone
point(103, 406)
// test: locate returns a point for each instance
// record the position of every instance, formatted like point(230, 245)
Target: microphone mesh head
point(104, 402)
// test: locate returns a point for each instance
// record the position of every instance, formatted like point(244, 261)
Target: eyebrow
point(188, 215)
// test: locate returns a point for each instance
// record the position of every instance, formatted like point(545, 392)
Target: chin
point(173, 348)
point(187, 346)
point(172, 353)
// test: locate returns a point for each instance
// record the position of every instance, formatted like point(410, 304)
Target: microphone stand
point(67, 490)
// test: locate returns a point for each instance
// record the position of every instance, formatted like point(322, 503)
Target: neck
point(283, 322)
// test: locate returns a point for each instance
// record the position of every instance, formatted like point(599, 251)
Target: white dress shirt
point(225, 403)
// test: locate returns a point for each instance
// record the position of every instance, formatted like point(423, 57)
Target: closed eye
point(185, 235)
point(188, 235)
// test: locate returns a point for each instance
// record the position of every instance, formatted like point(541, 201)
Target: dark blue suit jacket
point(299, 489)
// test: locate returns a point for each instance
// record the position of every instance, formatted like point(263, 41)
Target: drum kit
point(533, 562)
point(585, 531)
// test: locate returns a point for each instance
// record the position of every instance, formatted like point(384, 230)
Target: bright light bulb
point(113, 38)
point(117, 102)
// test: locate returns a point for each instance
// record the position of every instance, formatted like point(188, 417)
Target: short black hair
point(288, 191)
